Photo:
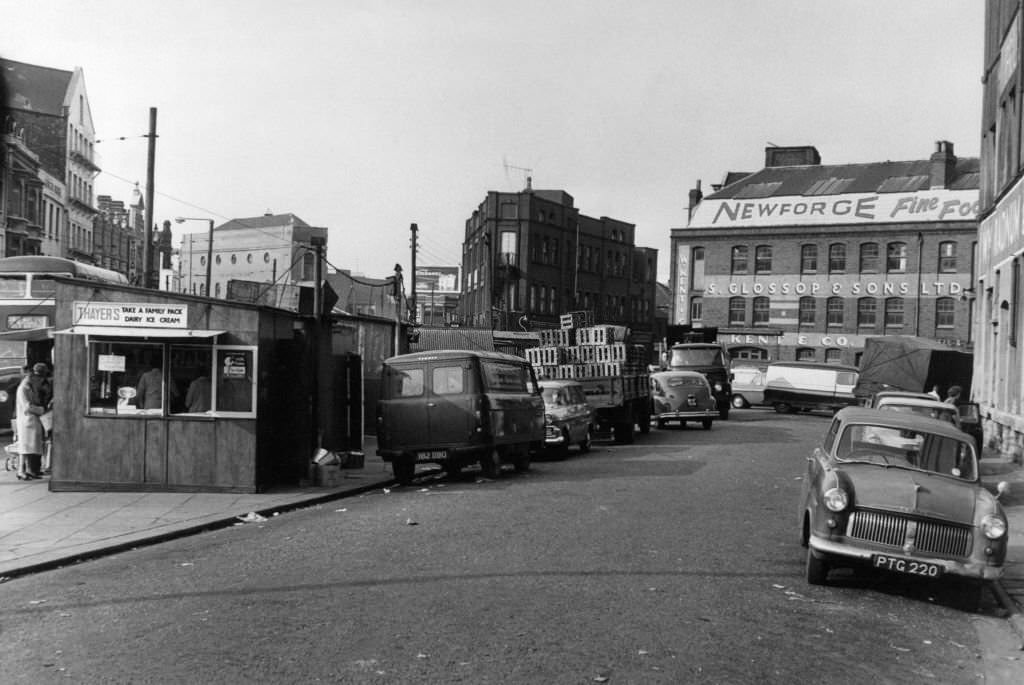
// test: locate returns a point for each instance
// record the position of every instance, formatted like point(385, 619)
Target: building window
point(805, 354)
point(202, 261)
point(216, 260)
point(509, 248)
point(739, 259)
point(266, 257)
point(947, 257)
point(763, 259)
point(837, 258)
point(216, 289)
point(869, 258)
point(866, 308)
point(833, 355)
point(1014, 300)
point(894, 312)
point(896, 258)
point(248, 258)
point(697, 269)
point(696, 308)
point(762, 310)
point(809, 259)
point(835, 308)
point(807, 311)
point(234, 259)
point(737, 311)
point(945, 312)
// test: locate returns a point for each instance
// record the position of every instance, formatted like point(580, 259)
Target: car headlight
point(836, 499)
point(549, 418)
point(718, 387)
point(3, 395)
point(994, 527)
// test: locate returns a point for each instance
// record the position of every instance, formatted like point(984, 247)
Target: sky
point(368, 116)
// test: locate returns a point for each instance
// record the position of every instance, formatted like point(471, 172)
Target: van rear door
point(403, 410)
point(450, 405)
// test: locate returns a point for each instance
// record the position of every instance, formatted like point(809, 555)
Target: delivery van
point(794, 386)
point(456, 408)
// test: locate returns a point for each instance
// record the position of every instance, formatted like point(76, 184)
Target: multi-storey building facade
point(804, 261)
point(530, 256)
point(273, 248)
point(21, 195)
point(51, 108)
point(998, 383)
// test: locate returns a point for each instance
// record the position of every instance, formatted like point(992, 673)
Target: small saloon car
point(568, 419)
point(682, 396)
point(900, 493)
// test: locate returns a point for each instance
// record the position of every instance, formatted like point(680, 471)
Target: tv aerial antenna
point(526, 171)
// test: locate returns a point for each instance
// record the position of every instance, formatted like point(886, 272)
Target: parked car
point(921, 406)
point(10, 377)
point(792, 386)
point(874, 399)
point(899, 493)
point(682, 396)
point(711, 359)
point(458, 407)
point(747, 386)
point(568, 419)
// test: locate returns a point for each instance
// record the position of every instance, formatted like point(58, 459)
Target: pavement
point(41, 530)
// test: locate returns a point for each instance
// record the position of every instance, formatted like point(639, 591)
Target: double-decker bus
point(27, 304)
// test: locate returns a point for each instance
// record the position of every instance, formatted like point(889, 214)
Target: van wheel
point(586, 441)
point(522, 462)
point(706, 423)
point(723, 413)
point(739, 402)
point(451, 468)
point(404, 470)
point(490, 464)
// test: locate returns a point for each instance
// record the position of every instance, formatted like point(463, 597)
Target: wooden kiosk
point(158, 391)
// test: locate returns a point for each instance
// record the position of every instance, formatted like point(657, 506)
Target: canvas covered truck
point(612, 371)
point(907, 362)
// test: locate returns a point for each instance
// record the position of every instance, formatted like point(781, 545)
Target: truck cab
point(711, 359)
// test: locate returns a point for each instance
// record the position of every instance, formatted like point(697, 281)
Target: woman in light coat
point(30, 430)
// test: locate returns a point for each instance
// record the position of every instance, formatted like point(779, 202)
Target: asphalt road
point(674, 560)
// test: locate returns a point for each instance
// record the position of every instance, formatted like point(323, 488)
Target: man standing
point(27, 409)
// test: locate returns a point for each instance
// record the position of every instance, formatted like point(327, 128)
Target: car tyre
point(817, 569)
point(706, 423)
point(404, 470)
point(490, 464)
point(586, 442)
point(738, 402)
point(645, 423)
point(783, 408)
point(521, 462)
point(723, 413)
point(662, 423)
point(624, 433)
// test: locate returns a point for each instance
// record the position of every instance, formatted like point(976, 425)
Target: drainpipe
point(917, 309)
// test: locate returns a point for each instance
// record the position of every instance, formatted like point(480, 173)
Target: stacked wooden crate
point(579, 352)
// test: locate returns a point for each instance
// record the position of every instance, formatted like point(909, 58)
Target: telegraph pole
point(412, 288)
point(147, 234)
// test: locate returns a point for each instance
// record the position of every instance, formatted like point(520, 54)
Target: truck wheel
point(624, 433)
point(490, 464)
point(645, 423)
point(404, 470)
point(586, 442)
point(739, 402)
point(706, 423)
point(521, 462)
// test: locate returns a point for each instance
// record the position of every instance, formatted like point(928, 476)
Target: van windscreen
point(696, 356)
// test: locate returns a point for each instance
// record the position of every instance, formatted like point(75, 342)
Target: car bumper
point(695, 414)
point(971, 569)
point(554, 436)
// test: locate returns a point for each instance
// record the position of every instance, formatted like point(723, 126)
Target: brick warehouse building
point(804, 261)
point(530, 256)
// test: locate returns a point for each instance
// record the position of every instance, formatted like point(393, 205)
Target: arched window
point(896, 258)
point(837, 258)
point(737, 311)
point(869, 258)
point(739, 259)
point(835, 311)
point(807, 305)
point(809, 259)
point(894, 312)
point(945, 312)
point(866, 310)
point(216, 289)
point(762, 310)
point(763, 259)
point(947, 257)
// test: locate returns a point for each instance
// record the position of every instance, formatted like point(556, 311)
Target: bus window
point(12, 286)
point(43, 286)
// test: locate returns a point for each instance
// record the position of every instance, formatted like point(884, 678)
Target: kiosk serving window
point(171, 380)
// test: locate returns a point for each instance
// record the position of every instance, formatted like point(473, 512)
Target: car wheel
point(706, 423)
point(739, 402)
point(586, 441)
point(404, 470)
point(662, 423)
point(783, 408)
point(452, 468)
point(645, 424)
point(723, 413)
point(624, 433)
point(817, 569)
point(682, 423)
point(490, 464)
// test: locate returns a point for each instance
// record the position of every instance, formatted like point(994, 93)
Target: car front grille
point(895, 530)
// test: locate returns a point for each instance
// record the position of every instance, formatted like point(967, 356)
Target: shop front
point(161, 391)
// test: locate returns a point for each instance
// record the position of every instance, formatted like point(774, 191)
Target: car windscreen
point(685, 381)
point(886, 445)
point(555, 397)
point(696, 356)
point(947, 415)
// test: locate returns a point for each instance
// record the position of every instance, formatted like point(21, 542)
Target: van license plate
point(427, 455)
point(908, 566)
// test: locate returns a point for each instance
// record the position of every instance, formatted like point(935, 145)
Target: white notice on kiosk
point(135, 314)
point(110, 362)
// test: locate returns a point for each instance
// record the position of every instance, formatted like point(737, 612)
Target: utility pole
point(147, 234)
point(412, 288)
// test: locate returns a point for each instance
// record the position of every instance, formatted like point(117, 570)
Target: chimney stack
point(695, 197)
point(943, 164)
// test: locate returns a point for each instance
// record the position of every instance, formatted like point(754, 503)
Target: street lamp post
point(209, 249)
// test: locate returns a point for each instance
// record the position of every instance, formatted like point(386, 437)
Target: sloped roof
point(831, 179)
point(453, 339)
point(35, 88)
point(265, 221)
